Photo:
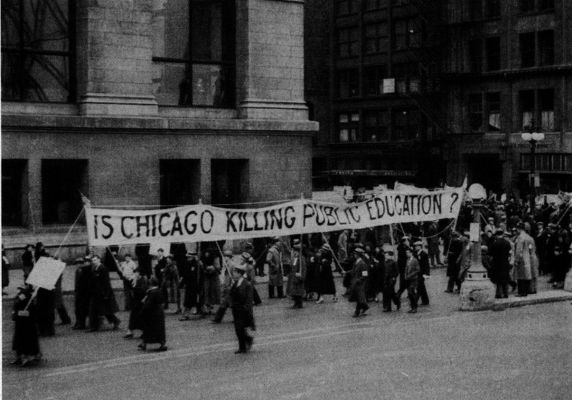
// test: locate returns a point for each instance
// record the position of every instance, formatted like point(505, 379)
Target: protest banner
point(46, 273)
point(199, 223)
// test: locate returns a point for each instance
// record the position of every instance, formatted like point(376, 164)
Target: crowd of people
point(516, 247)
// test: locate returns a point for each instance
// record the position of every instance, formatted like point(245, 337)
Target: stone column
point(115, 58)
point(270, 59)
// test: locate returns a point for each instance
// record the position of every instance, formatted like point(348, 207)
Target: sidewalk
point(545, 292)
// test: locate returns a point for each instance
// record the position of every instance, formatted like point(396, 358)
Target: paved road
point(319, 352)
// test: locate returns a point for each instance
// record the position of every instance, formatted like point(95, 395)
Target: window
point(348, 127)
point(371, 5)
point(527, 49)
point(406, 34)
point(545, 5)
point(346, 7)
point(493, 112)
point(536, 5)
point(373, 80)
point(537, 106)
point(492, 8)
point(475, 55)
point(376, 38)
point(400, 2)
point(527, 5)
point(193, 53)
point(493, 53)
point(475, 9)
point(180, 182)
point(348, 83)
point(547, 162)
point(63, 181)
point(406, 124)
point(376, 126)
point(546, 47)
point(407, 79)
point(229, 181)
point(38, 56)
point(475, 108)
point(14, 192)
point(348, 42)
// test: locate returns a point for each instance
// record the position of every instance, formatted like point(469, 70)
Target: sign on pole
point(46, 273)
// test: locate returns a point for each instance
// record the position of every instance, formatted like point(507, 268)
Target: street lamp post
point(477, 291)
point(532, 138)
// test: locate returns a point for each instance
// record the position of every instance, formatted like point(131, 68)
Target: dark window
point(373, 82)
point(527, 49)
point(493, 54)
point(229, 182)
point(527, 108)
point(348, 42)
point(193, 53)
point(348, 83)
point(406, 124)
point(376, 126)
point(38, 51)
point(348, 127)
point(546, 47)
point(371, 5)
point(527, 5)
point(475, 108)
point(493, 112)
point(376, 38)
point(14, 192)
point(63, 182)
point(407, 33)
point(475, 55)
point(180, 182)
point(546, 109)
point(492, 8)
point(400, 2)
point(475, 9)
point(407, 78)
point(545, 5)
point(346, 7)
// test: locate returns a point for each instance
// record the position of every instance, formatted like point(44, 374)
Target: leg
point(63, 314)
point(270, 291)
point(422, 291)
point(280, 292)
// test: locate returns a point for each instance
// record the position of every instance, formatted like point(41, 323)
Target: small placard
point(389, 86)
point(23, 313)
point(364, 273)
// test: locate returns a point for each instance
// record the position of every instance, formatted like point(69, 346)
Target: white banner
point(199, 223)
point(46, 272)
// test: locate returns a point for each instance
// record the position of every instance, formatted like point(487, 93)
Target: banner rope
point(431, 236)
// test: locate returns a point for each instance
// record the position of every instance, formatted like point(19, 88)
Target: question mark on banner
point(454, 195)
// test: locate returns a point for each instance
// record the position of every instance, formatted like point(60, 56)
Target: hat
point(192, 253)
point(358, 248)
point(275, 239)
point(467, 234)
point(246, 256)
point(552, 225)
point(418, 243)
point(499, 231)
point(240, 267)
point(248, 245)
point(227, 253)
point(404, 238)
point(326, 246)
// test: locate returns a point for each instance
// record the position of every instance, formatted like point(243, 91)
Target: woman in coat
point(191, 281)
point(25, 341)
point(297, 275)
point(312, 281)
point(102, 298)
point(211, 282)
point(360, 274)
point(153, 317)
point(170, 284)
point(139, 286)
point(242, 312)
point(326, 280)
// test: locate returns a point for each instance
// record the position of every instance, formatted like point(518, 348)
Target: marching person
point(360, 274)
point(82, 292)
point(228, 266)
point(275, 273)
point(424, 272)
point(28, 260)
point(102, 298)
point(139, 285)
point(525, 261)
point(126, 269)
point(390, 274)
point(326, 284)
point(170, 284)
point(411, 276)
point(297, 275)
point(242, 310)
point(401, 263)
point(160, 266)
point(247, 259)
point(499, 251)
point(375, 281)
point(25, 341)
point(191, 282)
point(453, 266)
point(211, 282)
point(153, 318)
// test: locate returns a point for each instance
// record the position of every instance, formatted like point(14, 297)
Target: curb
point(531, 301)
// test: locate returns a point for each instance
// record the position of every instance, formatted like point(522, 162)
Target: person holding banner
point(25, 341)
point(242, 311)
point(360, 274)
point(424, 271)
point(211, 282)
point(153, 318)
point(275, 273)
point(102, 298)
point(297, 274)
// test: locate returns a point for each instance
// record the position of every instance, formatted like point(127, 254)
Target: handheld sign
point(46, 273)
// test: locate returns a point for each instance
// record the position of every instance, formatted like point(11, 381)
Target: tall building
point(383, 120)
point(509, 71)
point(427, 91)
point(148, 102)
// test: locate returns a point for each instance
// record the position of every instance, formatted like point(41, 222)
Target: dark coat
point(499, 252)
point(360, 274)
point(211, 282)
point(241, 298)
point(455, 250)
point(375, 281)
point(25, 340)
point(191, 281)
point(326, 279)
point(82, 289)
point(46, 312)
point(27, 262)
point(138, 292)
point(296, 283)
point(390, 273)
point(423, 258)
point(312, 281)
point(101, 294)
point(153, 317)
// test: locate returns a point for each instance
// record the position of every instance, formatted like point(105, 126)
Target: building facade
point(509, 71)
point(427, 91)
point(148, 103)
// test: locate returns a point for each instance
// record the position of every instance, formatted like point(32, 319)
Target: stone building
point(147, 103)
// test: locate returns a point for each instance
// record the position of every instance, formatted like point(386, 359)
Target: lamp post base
point(477, 294)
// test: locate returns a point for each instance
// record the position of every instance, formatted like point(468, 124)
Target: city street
point(319, 352)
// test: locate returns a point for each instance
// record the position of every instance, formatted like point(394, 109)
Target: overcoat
point(296, 282)
point(312, 281)
point(241, 298)
point(326, 279)
point(525, 260)
point(101, 294)
point(153, 317)
point(274, 261)
point(191, 280)
point(211, 279)
point(500, 253)
point(360, 273)
point(25, 340)
point(138, 291)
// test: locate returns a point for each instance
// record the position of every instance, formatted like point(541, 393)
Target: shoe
point(128, 336)
point(92, 330)
point(448, 291)
point(162, 348)
point(320, 300)
point(184, 318)
point(116, 325)
point(142, 346)
point(387, 310)
point(412, 311)
point(240, 351)
point(355, 315)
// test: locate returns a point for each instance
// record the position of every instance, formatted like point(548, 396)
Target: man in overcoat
point(102, 298)
point(82, 292)
point(411, 275)
point(275, 272)
point(360, 274)
point(297, 274)
point(525, 260)
point(390, 274)
point(500, 250)
point(241, 298)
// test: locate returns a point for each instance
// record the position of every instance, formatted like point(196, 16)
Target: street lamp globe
point(537, 136)
point(477, 192)
point(526, 136)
